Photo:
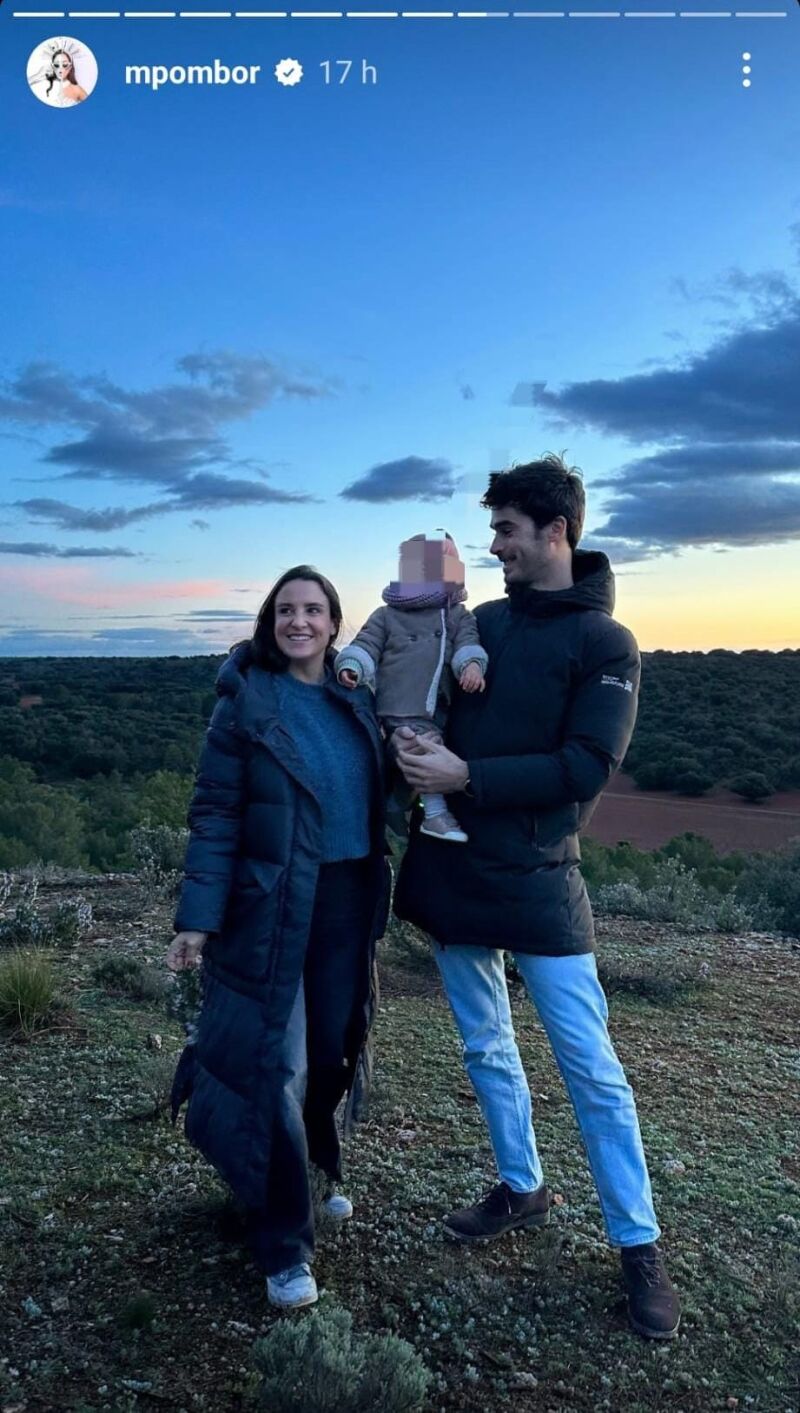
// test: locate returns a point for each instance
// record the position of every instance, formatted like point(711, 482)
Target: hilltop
point(126, 1285)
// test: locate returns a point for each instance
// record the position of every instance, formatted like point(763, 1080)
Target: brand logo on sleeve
point(609, 681)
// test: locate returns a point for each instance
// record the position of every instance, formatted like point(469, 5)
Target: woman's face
point(303, 624)
point(62, 65)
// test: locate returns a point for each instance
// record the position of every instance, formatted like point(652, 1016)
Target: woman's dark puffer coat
point(250, 879)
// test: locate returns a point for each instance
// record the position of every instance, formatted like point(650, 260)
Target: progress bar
point(399, 14)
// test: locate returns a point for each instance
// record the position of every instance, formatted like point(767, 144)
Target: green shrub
point(27, 992)
point(69, 921)
point(122, 975)
point(752, 786)
point(623, 863)
point(770, 887)
point(159, 852)
point(27, 926)
point(674, 895)
point(730, 914)
point(714, 871)
point(318, 1365)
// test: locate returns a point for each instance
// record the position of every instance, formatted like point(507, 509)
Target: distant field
point(650, 818)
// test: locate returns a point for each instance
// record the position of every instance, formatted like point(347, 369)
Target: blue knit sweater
point(340, 760)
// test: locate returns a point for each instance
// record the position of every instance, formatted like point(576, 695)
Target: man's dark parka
point(541, 742)
point(250, 879)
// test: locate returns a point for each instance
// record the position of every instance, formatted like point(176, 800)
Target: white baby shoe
point(444, 826)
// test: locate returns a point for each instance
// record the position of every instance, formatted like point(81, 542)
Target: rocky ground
point(124, 1283)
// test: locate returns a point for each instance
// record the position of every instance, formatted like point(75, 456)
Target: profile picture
point(62, 72)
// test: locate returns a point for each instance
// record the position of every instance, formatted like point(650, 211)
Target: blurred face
point(304, 627)
point(525, 551)
point(62, 65)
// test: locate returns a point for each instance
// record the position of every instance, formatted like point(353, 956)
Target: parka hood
point(593, 589)
point(231, 675)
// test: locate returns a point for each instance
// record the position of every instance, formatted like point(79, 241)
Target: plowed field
point(649, 818)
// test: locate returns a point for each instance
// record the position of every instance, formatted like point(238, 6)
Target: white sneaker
point(338, 1207)
point(293, 1288)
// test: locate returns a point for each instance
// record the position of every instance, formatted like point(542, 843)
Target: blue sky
point(225, 307)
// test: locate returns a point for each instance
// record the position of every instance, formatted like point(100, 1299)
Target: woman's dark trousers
point(313, 1075)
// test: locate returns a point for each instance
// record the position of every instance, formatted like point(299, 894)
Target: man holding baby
point(522, 765)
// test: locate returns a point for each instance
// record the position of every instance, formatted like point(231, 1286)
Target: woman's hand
point(184, 950)
point(348, 678)
point(472, 679)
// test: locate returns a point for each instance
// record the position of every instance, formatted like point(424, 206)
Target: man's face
point(523, 549)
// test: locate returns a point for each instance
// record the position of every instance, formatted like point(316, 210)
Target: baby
point(413, 647)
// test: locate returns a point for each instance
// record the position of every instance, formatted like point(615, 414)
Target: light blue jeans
point(572, 1008)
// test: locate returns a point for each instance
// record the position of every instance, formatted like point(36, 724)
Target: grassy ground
point(125, 1285)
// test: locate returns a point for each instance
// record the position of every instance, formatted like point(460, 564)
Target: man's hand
point(430, 767)
point(184, 950)
point(472, 679)
point(348, 678)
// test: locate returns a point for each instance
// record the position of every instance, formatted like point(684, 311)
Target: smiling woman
point(297, 625)
point(285, 894)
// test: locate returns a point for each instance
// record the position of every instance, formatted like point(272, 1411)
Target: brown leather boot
point(501, 1210)
point(654, 1309)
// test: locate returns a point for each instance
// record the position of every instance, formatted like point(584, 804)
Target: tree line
point(705, 719)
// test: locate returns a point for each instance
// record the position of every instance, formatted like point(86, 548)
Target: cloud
point(217, 615)
point(72, 517)
point(169, 437)
point(744, 386)
point(765, 293)
point(206, 492)
point(664, 517)
point(38, 550)
point(108, 642)
point(723, 462)
point(727, 472)
point(623, 551)
point(200, 524)
point(411, 478)
point(218, 388)
point(210, 492)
